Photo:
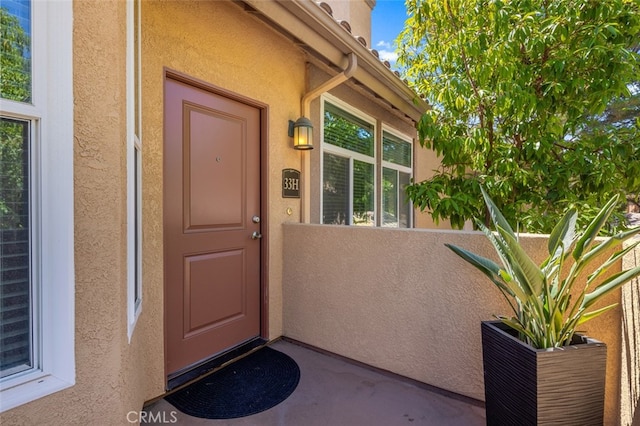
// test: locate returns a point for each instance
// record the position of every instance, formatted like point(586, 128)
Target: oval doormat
point(250, 385)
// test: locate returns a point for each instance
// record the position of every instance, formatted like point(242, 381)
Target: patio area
point(335, 391)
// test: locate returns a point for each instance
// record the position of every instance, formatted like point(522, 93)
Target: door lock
point(256, 235)
point(256, 219)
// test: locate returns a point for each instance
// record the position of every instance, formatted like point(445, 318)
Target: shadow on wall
point(630, 383)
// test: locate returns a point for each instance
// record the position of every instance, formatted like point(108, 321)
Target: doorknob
point(256, 235)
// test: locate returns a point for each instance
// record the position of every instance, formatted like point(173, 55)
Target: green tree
point(516, 89)
point(346, 131)
point(15, 84)
point(15, 63)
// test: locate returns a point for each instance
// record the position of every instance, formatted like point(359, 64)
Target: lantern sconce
point(302, 133)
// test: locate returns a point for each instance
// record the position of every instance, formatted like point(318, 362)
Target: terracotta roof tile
point(346, 26)
point(326, 8)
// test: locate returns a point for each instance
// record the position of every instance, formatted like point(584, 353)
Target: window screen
point(396, 175)
point(396, 150)
point(335, 190)
point(15, 248)
point(347, 131)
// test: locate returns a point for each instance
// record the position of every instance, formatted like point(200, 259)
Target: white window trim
point(134, 264)
point(351, 155)
point(53, 249)
point(398, 167)
point(405, 138)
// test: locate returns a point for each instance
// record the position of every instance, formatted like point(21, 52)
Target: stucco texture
point(112, 375)
point(221, 45)
point(357, 13)
point(401, 301)
point(630, 345)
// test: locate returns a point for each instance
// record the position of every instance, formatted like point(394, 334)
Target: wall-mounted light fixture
point(302, 133)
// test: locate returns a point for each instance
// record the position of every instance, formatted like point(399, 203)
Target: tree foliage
point(516, 89)
point(15, 84)
point(15, 73)
point(347, 132)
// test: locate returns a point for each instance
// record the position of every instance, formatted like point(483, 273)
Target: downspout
point(330, 84)
point(305, 107)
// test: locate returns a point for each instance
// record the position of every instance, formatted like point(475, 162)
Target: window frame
point(398, 168)
point(52, 241)
point(134, 167)
point(350, 155)
point(379, 164)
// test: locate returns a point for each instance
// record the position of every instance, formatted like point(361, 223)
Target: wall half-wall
point(399, 300)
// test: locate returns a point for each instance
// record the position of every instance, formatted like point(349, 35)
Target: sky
point(387, 21)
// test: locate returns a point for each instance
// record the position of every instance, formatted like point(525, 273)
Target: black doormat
point(249, 386)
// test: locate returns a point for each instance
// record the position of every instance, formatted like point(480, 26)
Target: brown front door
point(211, 224)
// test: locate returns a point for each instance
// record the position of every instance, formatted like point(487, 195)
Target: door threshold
point(189, 374)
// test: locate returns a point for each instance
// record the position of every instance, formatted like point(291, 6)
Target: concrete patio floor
point(333, 391)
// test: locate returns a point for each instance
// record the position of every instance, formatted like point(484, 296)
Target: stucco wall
point(112, 376)
point(401, 301)
point(630, 346)
point(357, 13)
point(426, 162)
point(215, 42)
point(220, 44)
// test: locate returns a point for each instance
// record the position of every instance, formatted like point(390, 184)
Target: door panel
point(213, 172)
point(211, 193)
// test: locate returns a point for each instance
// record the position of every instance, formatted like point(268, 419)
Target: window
point(134, 168)
point(36, 202)
point(348, 185)
point(350, 167)
point(396, 175)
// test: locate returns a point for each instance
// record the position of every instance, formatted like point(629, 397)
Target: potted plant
point(537, 369)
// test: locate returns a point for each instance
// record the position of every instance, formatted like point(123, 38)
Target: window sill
point(37, 386)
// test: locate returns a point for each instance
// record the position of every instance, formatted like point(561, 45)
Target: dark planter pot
point(527, 386)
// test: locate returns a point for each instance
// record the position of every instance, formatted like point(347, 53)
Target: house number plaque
point(290, 183)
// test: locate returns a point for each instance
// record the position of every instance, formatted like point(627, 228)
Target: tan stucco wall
point(221, 45)
point(427, 162)
point(357, 13)
point(409, 305)
point(112, 376)
point(217, 43)
point(630, 346)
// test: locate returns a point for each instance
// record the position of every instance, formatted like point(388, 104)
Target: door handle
point(256, 235)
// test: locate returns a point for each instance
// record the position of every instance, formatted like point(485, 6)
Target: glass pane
point(335, 190)
point(363, 194)
point(396, 150)
point(405, 203)
point(15, 287)
point(389, 197)
point(347, 131)
point(15, 50)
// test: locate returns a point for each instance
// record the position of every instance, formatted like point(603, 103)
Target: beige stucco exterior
point(630, 345)
point(311, 291)
point(246, 59)
point(357, 14)
point(401, 301)
point(219, 44)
